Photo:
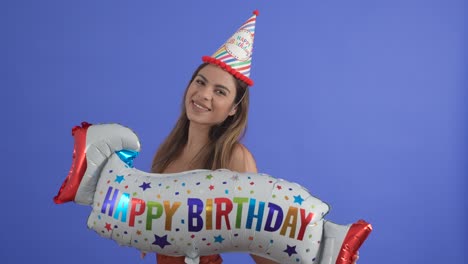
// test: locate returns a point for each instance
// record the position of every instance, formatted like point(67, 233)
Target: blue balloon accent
point(127, 156)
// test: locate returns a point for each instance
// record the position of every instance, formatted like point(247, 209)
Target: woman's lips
point(199, 107)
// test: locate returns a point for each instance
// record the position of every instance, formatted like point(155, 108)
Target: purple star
point(161, 241)
point(145, 186)
point(290, 250)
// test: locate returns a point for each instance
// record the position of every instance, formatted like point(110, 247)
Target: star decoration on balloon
point(218, 239)
point(108, 227)
point(290, 250)
point(119, 178)
point(298, 199)
point(161, 241)
point(209, 176)
point(145, 185)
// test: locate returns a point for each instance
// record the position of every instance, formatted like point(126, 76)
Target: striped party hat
point(235, 56)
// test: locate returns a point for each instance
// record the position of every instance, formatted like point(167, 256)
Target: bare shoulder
point(242, 160)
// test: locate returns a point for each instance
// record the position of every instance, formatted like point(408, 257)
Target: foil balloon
point(199, 212)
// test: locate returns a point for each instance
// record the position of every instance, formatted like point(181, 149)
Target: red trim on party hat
point(229, 69)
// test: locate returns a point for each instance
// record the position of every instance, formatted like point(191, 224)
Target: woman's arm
point(243, 161)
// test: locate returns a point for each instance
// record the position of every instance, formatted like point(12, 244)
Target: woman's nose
point(206, 93)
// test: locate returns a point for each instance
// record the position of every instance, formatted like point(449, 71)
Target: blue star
point(218, 239)
point(298, 199)
point(145, 186)
point(290, 250)
point(161, 241)
point(119, 178)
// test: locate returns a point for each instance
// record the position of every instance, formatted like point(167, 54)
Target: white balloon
point(204, 212)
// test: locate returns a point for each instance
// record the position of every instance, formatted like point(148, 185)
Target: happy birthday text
point(201, 214)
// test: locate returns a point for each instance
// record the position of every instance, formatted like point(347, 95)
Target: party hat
point(235, 56)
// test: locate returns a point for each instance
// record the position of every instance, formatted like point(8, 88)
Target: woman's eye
point(221, 92)
point(201, 82)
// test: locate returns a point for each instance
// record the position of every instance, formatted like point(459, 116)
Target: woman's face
point(210, 96)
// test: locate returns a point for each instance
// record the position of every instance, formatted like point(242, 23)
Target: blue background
point(362, 102)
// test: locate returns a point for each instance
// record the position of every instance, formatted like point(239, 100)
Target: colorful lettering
point(239, 201)
point(304, 222)
point(122, 207)
point(151, 215)
point(197, 204)
point(109, 202)
point(271, 213)
point(134, 211)
point(251, 214)
point(209, 214)
point(290, 222)
point(170, 211)
point(220, 212)
point(218, 209)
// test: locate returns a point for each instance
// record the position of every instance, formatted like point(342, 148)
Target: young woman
point(206, 136)
point(213, 120)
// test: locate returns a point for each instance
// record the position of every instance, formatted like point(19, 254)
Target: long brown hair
point(222, 137)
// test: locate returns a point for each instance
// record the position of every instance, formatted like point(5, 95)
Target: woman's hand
point(142, 254)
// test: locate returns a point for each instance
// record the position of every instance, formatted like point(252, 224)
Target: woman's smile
point(199, 107)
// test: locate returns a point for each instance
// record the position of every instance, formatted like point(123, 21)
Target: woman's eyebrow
point(217, 85)
point(203, 77)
